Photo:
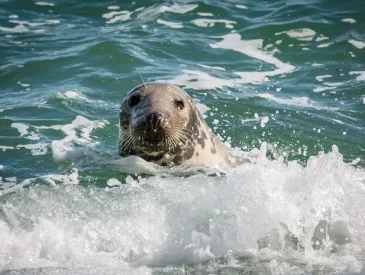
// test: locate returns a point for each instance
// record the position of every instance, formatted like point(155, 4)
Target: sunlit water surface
point(281, 81)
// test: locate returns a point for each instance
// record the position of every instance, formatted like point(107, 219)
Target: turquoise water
point(283, 81)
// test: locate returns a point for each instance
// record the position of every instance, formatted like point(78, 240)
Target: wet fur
point(198, 145)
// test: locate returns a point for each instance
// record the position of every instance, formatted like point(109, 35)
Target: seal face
point(160, 123)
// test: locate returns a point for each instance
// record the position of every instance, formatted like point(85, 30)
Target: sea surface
point(281, 81)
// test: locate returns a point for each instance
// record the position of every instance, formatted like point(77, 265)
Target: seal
point(160, 123)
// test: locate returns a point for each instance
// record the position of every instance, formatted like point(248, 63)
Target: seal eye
point(134, 100)
point(179, 104)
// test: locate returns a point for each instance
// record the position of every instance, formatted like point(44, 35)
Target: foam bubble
point(302, 34)
point(321, 89)
point(72, 94)
point(295, 101)
point(44, 4)
point(113, 8)
point(200, 80)
point(205, 14)
point(176, 8)
point(325, 45)
point(37, 149)
point(358, 44)
point(361, 75)
point(349, 20)
point(4, 148)
point(321, 77)
point(204, 22)
point(117, 16)
point(71, 178)
point(172, 25)
point(77, 133)
point(252, 48)
point(23, 130)
point(16, 29)
point(113, 182)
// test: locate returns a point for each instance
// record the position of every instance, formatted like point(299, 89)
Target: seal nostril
point(155, 120)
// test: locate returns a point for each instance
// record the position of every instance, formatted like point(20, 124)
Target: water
point(282, 81)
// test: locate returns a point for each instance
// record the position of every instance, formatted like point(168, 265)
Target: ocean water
point(281, 81)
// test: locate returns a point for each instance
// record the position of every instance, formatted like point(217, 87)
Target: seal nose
point(155, 120)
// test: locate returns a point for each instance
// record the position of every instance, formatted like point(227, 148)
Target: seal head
point(160, 123)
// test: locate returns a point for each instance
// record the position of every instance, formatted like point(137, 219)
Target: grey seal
point(160, 123)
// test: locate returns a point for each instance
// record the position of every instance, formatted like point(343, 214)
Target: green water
point(288, 73)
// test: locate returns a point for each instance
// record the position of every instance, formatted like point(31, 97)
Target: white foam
point(205, 14)
point(72, 94)
point(177, 8)
point(78, 132)
point(302, 34)
point(361, 75)
point(4, 148)
point(23, 130)
point(173, 25)
point(1, 166)
point(37, 149)
point(69, 179)
point(44, 4)
point(252, 48)
point(117, 16)
point(296, 101)
point(321, 77)
point(349, 20)
point(205, 22)
point(198, 80)
point(263, 121)
point(321, 89)
point(363, 100)
point(212, 67)
point(358, 44)
point(113, 8)
point(324, 45)
point(333, 84)
point(23, 84)
point(243, 7)
point(13, 16)
point(172, 221)
point(113, 182)
point(321, 38)
point(16, 29)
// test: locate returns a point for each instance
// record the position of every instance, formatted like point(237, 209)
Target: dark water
point(290, 74)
